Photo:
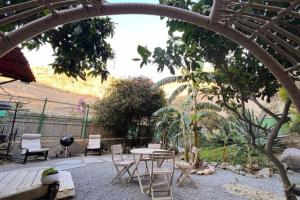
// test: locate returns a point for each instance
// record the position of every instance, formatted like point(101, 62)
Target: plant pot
point(46, 180)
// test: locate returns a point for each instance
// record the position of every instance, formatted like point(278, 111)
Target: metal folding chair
point(122, 166)
point(165, 171)
point(186, 168)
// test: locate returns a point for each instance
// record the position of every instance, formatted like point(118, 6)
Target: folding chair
point(122, 166)
point(94, 144)
point(165, 171)
point(186, 168)
point(147, 158)
point(31, 146)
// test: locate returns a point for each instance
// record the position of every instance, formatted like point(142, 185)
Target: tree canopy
point(80, 48)
point(128, 103)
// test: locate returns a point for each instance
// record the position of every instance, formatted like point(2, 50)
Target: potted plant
point(49, 176)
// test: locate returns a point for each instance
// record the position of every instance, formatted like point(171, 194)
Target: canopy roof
point(268, 29)
point(14, 65)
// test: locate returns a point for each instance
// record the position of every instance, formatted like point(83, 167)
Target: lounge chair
point(122, 166)
point(186, 168)
point(94, 144)
point(31, 146)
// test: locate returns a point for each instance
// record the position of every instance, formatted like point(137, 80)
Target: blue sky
point(130, 31)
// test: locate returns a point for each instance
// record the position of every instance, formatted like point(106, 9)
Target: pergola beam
point(279, 50)
point(295, 67)
point(283, 43)
point(25, 5)
point(286, 33)
point(270, 23)
point(222, 9)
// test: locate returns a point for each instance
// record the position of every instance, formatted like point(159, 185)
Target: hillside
point(57, 88)
point(92, 86)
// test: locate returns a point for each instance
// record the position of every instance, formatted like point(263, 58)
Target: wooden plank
point(3, 175)
point(66, 185)
point(37, 179)
point(32, 193)
point(28, 180)
point(7, 180)
point(12, 187)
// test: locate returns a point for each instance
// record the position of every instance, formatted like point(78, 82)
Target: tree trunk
point(283, 175)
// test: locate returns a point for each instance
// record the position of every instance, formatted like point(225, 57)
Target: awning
point(14, 65)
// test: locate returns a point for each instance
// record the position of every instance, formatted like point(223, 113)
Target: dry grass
point(92, 86)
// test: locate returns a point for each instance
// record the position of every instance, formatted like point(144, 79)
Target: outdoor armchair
point(31, 146)
point(94, 144)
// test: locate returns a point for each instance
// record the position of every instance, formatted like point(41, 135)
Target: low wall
point(78, 147)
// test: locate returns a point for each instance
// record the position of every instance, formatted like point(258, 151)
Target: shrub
point(128, 103)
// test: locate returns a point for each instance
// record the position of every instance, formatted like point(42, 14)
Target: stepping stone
point(64, 167)
point(68, 162)
point(89, 160)
point(66, 185)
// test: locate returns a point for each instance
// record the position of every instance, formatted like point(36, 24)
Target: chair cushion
point(31, 141)
point(34, 150)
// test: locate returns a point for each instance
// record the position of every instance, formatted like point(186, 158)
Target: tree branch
point(263, 108)
point(274, 132)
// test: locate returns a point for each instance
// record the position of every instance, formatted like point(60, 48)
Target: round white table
point(137, 155)
point(144, 151)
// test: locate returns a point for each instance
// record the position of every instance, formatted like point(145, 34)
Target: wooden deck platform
point(22, 184)
point(26, 184)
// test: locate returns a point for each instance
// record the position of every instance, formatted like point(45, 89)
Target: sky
point(130, 31)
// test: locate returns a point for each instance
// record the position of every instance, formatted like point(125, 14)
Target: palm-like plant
point(173, 123)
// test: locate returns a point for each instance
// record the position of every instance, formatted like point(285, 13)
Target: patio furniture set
point(159, 167)
point(160, 172)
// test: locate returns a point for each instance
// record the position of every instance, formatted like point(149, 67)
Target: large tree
point(237, 79)
point(128, 103)
point(80, 48)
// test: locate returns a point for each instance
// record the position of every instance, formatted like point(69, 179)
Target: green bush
point(215, 154)
point(49, 171)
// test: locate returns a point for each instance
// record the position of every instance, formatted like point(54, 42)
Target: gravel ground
point(93, 181)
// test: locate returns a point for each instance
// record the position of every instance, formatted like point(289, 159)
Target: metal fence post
point(85, 121)
point(42, 118)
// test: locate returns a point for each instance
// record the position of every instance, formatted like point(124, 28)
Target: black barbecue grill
point(65, 142)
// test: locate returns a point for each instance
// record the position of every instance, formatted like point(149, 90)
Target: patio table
point(137, 155)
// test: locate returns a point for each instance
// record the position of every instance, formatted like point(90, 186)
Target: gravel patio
point(92, 177)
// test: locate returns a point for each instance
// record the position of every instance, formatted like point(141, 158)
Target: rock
point(242, 173)
point(224, 165)
point(214, 164)
point(193, 171)
point(291, 157)
point(231, 168)
point(263, 173)
point(204, 164)
point(238, 167)
point(290, 172)
point(206, 172)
